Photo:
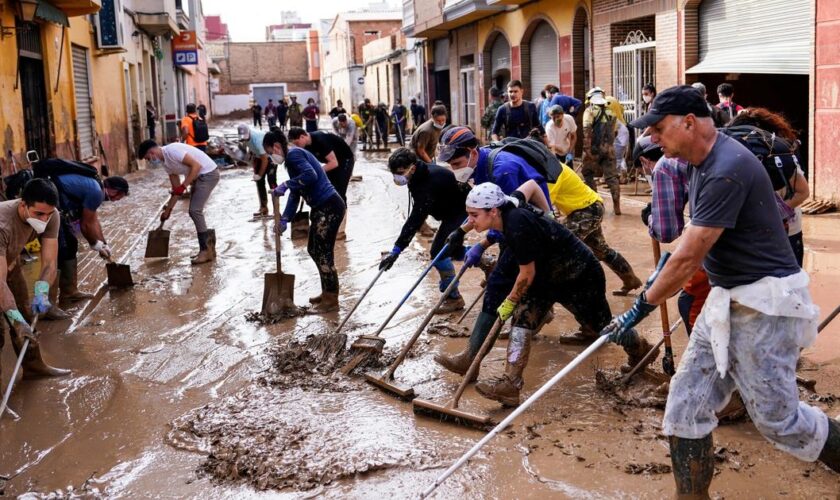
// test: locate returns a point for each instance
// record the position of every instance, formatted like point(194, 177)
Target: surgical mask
point(463, 174)
point(439, 126)
point(37, 224)
point(400, 180)
point(278, 159)
point(154, 162)
point(647, 99)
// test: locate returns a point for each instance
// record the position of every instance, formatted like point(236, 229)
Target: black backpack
point(200, 131)
point(52, 168)
point(778, 156)
point(534, 152)
point(602, 130)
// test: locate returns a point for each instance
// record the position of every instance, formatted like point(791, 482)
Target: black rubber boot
point(693, 463)
point(483, 324)
point(830, 454)
point(619, 265)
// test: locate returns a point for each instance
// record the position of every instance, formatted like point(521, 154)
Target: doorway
point(33, 89)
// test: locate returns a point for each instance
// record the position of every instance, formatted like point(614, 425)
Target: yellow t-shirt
point(570, 193)
point(358, 119)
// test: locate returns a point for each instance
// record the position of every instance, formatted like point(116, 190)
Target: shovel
point(279, 290)
point(157, 245)
point(119, 275)
point(668, 365)
point(386, 381)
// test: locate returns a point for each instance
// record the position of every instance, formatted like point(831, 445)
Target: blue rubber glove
point(620, 328)
point(16, 319)
point(570, 159)
point(40, 299)
point(505, 311)
point(280, 190)
point(473, 256)
point(389, 259)
point(494, 236)
point(284, 223)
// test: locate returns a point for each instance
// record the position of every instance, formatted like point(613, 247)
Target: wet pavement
point(175, 394)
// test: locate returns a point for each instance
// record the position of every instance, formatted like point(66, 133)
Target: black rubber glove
point(455, 240)
point(387, 262)
point(646, 215)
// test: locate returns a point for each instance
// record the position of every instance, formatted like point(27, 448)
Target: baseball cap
point(680, 100)
point(452, 139)
point(647, 148)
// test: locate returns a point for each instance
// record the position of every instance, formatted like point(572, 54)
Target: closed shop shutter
point(499, 55)
point(545, 67)
point(441, 54)
point(84, 114)
point(755, 36)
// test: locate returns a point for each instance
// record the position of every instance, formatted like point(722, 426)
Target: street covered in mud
point(176, 390)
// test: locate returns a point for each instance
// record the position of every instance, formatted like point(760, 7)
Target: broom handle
point(470, 308)
point(19, 362)
point(518, 411)
point(404, 352)
point(276, 206)
point(476, 362)
point(359, 301)
point(167, 208)
point(663, 308)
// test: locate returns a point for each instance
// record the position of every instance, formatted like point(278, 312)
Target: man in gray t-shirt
point(731, 190)
point(757, 316)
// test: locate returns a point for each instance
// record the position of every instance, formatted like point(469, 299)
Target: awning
point(47, 12)
point(77, 7)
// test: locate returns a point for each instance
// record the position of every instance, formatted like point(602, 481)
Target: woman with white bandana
point(554, 266)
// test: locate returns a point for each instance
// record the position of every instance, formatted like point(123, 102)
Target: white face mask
point(463, 174)
point(439, 126)
point(278, 159)
point(647, 98)
point(38, 225)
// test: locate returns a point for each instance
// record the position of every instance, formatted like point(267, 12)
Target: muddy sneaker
point(450, 305)
point(426, 231)
point(637, 353)
point(316, 299)
point(328, 303)
point(54, 313)
point(501, 389)
point(630, 285)
point(262, 212)
point(459, 363)
point(203, 257)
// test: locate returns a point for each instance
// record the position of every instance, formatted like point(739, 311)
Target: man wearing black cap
point(758, 314)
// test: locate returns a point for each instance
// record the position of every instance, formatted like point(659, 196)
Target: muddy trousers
point(270, 175)
point(324, 221)
point(201, 189)
point(602, 165)
point(763, 351)
point(20, 290)
point(586, 225)
point(445, 267)
point(340, 179)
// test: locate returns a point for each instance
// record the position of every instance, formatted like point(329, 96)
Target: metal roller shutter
point(545, 67)
point(84, 114)
point(499, 55)
point(755, 36)
point(441, 54)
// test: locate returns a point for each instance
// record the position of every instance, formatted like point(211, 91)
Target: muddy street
point(175, 393)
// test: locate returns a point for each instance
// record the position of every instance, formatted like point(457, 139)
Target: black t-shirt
point(324, 143)
point(434, 192)
point(558, 254)
point(517, 121)
point(730, 189)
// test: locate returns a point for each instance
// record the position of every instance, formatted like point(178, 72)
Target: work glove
point(40, 299)
point(494, 236)
point(280, 190)
point(281, 227)
point(620, 328)
point(646, 215)
point(455, 240)
point(389, 259)
point(473, 256)
point(179, 190)
point(570, 159)
point(103, 249)
point(505, 311)
point(256, 177)
point(23, 328)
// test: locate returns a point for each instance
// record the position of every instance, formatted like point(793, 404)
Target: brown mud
point(174, 394)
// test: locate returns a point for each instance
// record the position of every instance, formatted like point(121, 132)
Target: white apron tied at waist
point(788, 297)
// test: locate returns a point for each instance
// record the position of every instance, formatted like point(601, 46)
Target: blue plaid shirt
point(670, 194)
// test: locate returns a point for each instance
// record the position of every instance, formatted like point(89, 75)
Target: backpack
point(727, 112)
point(52, 168)
point(508, 114)
point(534, 152)
point(200, 131)
point(778, 156)
point(602, 130)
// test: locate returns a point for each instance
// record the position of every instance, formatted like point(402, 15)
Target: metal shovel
point(157, 245)
point(119, 275)
point(279, 290)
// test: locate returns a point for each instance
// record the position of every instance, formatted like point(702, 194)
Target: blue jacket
point(307, 179)
point(509, 172)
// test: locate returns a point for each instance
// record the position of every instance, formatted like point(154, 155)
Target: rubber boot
point(483, 323)
point(615, 191)
point(204, 254)
point(68, 284)
point(447, 274)
point(328, 303)
point(830, 454)
point(619, 265)
point(342, 234)
point(636, 350)
point(54, 313)
point(34, 365)
point(316, 299)
point(693, 465)
point(505, 389)
point(211, 243)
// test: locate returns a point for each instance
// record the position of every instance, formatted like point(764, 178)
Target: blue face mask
point(400, 180)
point(156, 163)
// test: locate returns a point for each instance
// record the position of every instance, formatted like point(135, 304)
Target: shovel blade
point(278, 293)
point(157, 244)
point(119, 275)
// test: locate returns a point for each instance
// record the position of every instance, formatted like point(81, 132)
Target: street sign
point(361, 80)
point(185, 48)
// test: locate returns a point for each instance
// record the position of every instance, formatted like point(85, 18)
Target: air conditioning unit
point(109, 25)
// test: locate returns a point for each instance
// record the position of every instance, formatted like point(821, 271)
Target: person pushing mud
point(34, 215)
point(758, 315)
point(308, 180)
point(554, 266)
point(434, 191)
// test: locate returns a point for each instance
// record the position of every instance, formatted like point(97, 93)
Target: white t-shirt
point(173, 159)
point(560, 137)
point(622, 138)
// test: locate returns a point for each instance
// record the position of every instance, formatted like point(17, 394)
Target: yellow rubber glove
point(505, 311)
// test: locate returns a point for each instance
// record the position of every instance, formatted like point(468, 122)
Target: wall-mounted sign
point(185, 48)
point(360, 80)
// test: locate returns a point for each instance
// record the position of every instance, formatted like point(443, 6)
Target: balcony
point(435, 18)
point(460, 12)
point(77, 7)
point(157, 24)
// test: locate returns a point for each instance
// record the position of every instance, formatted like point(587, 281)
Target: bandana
point(487, 195)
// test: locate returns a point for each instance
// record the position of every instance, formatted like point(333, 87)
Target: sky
point(247, 19)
